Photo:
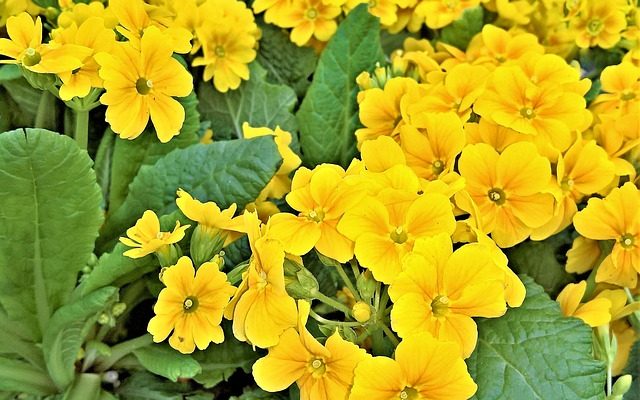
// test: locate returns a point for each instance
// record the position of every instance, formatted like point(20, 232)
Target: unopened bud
point(361, 311)
point(366, 285)
point(118, 309)
point(104, 319)
point(168, 254)
point(621, 387)
point(206, 242)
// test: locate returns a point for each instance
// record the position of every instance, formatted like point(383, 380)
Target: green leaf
point(460, 32)
point(633, 368)
point(145, 386)
point(10, 72)
point(256, 101)
point(102, 166)
point(328, 116)
point(18, 376)
point(162, 360)
point(130, 155)
point(258, 394)
point(544, 261)
point(50, 208)
point(27, 100)
point(533, 352)
point(67, 330)
point(225, 172)
point(220, 361)
point(593, 60)
point(286, 63)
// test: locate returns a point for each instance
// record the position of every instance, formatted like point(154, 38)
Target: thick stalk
point(122, 349)
point(81, 131)
point(347, 281)
point(332, 303)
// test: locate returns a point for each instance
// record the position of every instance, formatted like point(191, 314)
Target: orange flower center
point(399, 235)
point(143, 86)
point(190, 304)
point(440, 306)
point(408, 393)
point(312, 13)
point(627, 241)
point(497, 196)
point(31, 57)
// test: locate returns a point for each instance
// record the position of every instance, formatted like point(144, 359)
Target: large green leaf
point(145, 386)
point(225, 172)
point(50, 208)
point(129, 155)
point(286, 63)
point(220, 361)
point(67, 330)
point(169, 363)
point(256, 101)
point(460, 32)
point(633, 368)
point(18, 376)
point(328, 116)
point(533, 352)
point(544, 261)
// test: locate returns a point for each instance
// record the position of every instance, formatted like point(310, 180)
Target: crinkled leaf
point(533, 352)
point(145, 386)
point(162, 360)
point(18, 376)
point(544, 261)
point(50, 208)
point(67, 330)
point(328, 116)
point(286, 63)
point(633, 368)
point(256, 101)
point(460, 31)
point(226, 172)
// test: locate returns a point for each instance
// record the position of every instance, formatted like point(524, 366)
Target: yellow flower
point(25, 47)
point(191, 306)
point(141, 84)
point(380, 111)
point(626, 337)
point(621, 84)
point(594, 313)
point(582, 256)
point(440, 13)
point(280, 184)
point(310, 18)
point(386, 10)
point(321, 196)
point(9, 8)
point(616, 217)
point(431, 143)
point(209, 217)
point(147, 238)
point(439, 291)
point(424, 368)
point(496, 46)
point(496, 136)
point(261, 309)
point(80, 12)
point(598, 23)
point(547, 112)
point(322, 372)
point(508, 190)
point(93, 35)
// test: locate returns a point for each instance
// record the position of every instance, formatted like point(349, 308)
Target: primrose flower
point(9, 8)
point(440, 13)
point(508, 190)
point(594, 313)
point(495, 46)
point(621, 87)
point(141, 84)
point(598, 23)
point(321, 371)
point(321, 197)
point(145, 236)
point(616, 217)
point(424, 368)
point(496, 136)
point(309, 19)
point(25, 47)
point(191, 306)
point(386, 10)
point(439, 291)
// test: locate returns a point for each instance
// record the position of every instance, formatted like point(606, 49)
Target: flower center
point(440, 306)
point(144, 85)
point(595, 26)
point(317, 366)
point(190, 304)
point(497, 196)
point(627, 241)
point(312, 13)
point(437, 166)
point(408, 393)
point(219, 50)
point(31, 57)
point(567, 184)
point(527, 112)
point(315, 215)
point(399, 235)
point(626, 96)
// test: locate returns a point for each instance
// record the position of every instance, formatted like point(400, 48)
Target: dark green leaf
point(10, 72)
point(460, 32)
point(162, 360)
point(145, 386)
point(225, 172)
point(286, 63)
point(328, 116)
point(259, 394)
point(593, 60)
point(256, 101)
point(633, 368)
point(50, 208)
point(533, 352)
point(67, 330)
point(544, 261)
point(27, 100)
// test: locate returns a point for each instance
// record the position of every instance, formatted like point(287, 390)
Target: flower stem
point(81, 131)
point(325, 321)
point(634, 318)
point(390, 335)
point(347, 281)
point(609, 380)
point(44, 111)
point(122, 349)
point(333, 303)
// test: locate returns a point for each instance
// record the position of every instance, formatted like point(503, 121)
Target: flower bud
point(361, 311)
point(206, 242)
point(366, 285)
point(118, 309)
point(299, 281)
point(621, 387)
point(168, 254)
